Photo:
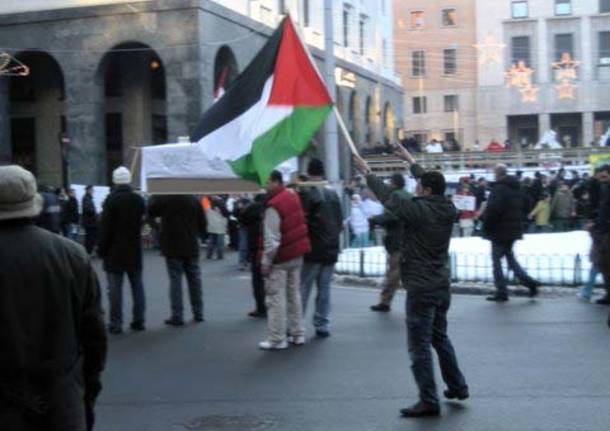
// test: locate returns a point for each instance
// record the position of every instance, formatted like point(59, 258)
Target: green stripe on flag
point(289, 138)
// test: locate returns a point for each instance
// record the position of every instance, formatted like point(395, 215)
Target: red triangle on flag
point(295, 81)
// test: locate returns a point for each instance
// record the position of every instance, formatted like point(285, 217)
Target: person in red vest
point(285, 242)
point(495, 147)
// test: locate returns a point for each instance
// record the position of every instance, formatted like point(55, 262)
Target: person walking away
point(358, 223)
point(183, 222)
point(285, 242)
point(503, 226)
point(70, 216)
point(217, 229)
point(251, 218)
point(541, 214)
point(324, 216)
point(52, 333)
point(50, 216)
point(393, 237)
point(600, 233)
point(562, 208)
point(120, 246)
point(89, 220)
point(428, 223)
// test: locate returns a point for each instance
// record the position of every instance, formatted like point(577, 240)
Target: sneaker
point(174, 322)
point(299, 340)
point(322, 333)
point(497, 298)
point(384, 308)
point(257, 314)
point(420, 410)
point(461, 394)
point(271, 345)
point(605, 300)
point(137, 326)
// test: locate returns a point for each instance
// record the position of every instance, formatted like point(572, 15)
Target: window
point(521, 50)
point(564, 43)
point(362, 30)
point(449, 61)
point(417, 20)
point(451, 103)
point(604, 6)
point(604, 48)
point(418, 66)
point(306, 11)
point(346, 14)
point(449, 17)
point(420, 105)
point(519, 9)
point(563, 7)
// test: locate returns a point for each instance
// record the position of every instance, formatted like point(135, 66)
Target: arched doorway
point(389, 123)
point(37, 117)
point(225, 70)
point(135, 101)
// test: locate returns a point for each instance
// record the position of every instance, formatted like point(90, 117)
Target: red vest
point(295, 241)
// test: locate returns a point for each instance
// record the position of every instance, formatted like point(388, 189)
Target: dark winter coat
point(51, 329)
point(89, 217)
point(324, 217)
point(182, 224)
point(120, 236)
point(251, 217)
point(393, 227)
point(505, 212)
point(428, 224)
point(50, 216)
point(69, 211)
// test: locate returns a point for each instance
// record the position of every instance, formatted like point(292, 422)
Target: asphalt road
point(531, 365)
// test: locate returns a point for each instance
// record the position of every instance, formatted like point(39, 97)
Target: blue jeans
point(243, 246)
point(115, 296)
point(322, 275)
point(587, 290)
point(216, 244)
point(427, 326)
point(360, 240)
point(190, 267)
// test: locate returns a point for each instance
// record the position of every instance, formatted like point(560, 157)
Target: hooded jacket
point(427, 226)
point(506, 211)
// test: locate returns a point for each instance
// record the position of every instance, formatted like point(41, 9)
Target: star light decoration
point(529, 94)
point(10, 66)
point(490, 50)
point(519, 75)
point(565, 75)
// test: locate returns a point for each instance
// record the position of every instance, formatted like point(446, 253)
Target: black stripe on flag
point(244, 92)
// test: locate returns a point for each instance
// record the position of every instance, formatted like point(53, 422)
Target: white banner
point(464, 203)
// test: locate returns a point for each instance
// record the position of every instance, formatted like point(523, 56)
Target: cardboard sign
point(464, 203)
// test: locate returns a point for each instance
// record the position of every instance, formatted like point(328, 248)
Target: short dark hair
point(315, 168)
point(435, 181)
point(276, 177)
point(89, 187)
point(398, 180)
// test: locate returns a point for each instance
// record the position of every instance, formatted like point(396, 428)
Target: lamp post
point(64, 146)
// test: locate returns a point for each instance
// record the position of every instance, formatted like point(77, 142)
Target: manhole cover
point(230, 423)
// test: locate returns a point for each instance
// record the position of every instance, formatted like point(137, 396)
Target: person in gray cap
point(120, 245)
point(52, 333)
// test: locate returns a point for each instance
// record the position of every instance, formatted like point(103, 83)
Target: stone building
point(114, 75)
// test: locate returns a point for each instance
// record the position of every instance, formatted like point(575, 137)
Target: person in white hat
point(120, 245)
point(53, 336)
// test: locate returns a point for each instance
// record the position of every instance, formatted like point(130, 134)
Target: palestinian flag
point(269, 113)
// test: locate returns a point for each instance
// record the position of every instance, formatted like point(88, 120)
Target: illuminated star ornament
point(490, 50)
point(519, 75)
point(565, 90)
point(10, 66)
point(565, 75)
point(529, 94)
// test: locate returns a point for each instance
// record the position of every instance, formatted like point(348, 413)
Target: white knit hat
point(121, 175)
point(18, 196)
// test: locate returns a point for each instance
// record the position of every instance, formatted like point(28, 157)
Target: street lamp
point(64, 146)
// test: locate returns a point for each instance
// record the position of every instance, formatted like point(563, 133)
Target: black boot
point(420, 410)
point(384, 308)
point(460, 394)
point(497, 298)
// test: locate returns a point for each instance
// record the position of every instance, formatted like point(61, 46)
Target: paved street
point(531, 365)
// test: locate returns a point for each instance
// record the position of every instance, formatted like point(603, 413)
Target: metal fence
point(550, 269)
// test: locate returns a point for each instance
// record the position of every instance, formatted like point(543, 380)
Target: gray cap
point(18, 196)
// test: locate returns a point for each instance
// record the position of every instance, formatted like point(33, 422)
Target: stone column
point(86, 124)
point(587, 128)
point(586, 51)
point(5, 121)
point(49, 109)
point(544, 124)
point(542, 65)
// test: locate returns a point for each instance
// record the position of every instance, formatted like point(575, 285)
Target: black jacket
point(251, 217)
point(427, 227)
point(89, 217)
point(324, 216)
point(50, 216)
point(393, 227)
point(182, 224)
point(69, 211)
point(120, 237)
point(51, 327)
point(505, 212)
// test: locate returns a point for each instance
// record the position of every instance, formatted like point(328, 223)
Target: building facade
point(561, 79)
point(434, 54)
point(113, 75)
